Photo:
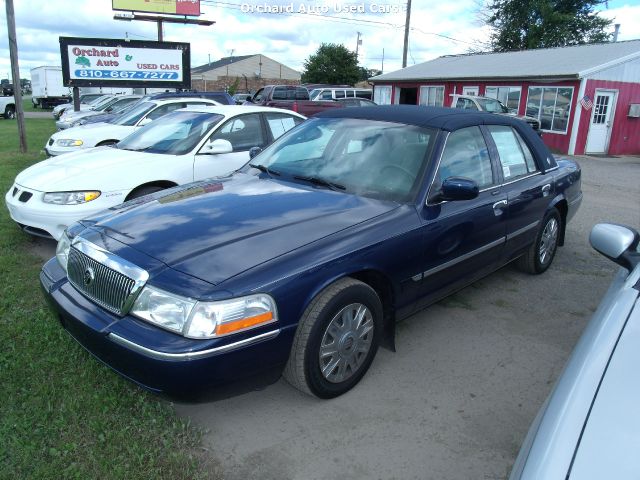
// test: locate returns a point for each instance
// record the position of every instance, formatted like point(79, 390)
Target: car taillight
point(295, 107)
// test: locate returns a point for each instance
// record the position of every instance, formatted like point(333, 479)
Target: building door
point(601, 122)
point(406, 96)
point(471, 91)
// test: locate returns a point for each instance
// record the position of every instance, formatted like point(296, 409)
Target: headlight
point(70, 198)
point(62, 250)
point(67, 142)
point(204, 319)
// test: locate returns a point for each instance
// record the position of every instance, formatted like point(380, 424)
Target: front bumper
point(48, 220)
point(159, 360)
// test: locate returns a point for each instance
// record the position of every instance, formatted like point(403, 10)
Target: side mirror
point(145, 121)
point(616, 242)
point(217, 147)
point(254, 151)
point(458, 188)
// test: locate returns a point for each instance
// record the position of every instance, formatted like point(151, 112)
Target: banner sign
point(170, 7)
point(128, 63)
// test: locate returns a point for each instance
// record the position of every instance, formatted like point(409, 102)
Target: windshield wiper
point(321, 182)
point(264, 169)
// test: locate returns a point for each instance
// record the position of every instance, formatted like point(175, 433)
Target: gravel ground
point(455, 401)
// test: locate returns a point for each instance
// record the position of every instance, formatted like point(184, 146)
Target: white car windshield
point(371, 158)
point(101, 102)
point(135, 114)
point(493, 106)
point(175, 134)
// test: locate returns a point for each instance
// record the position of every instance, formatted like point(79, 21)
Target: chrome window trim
point(522, 230)
point(523, 177)
point(114, 262)
point(187, 356)
point(459, 259)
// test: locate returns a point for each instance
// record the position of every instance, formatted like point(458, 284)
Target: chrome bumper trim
point(186, 356)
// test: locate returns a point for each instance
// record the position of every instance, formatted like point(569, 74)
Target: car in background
point(487, 104)
point(291, 97)
point(589, 426)
point(8, 107)
point(356, 102)
point(336, 93)
point(71, 118)
point(240, 98)
point(85, 99)
point(121, 105)
point(7, 89)
point(223, 98)
point(302, 261)
point(101, 134)
point(183, 146)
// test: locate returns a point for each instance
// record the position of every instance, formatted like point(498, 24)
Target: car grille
point(108, 288)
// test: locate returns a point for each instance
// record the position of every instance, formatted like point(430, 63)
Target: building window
point(432, 96)
point(509, 96)
point(550, 105)
point(382, 95)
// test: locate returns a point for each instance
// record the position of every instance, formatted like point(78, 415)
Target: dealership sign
point(171, 7)
point(131, 63)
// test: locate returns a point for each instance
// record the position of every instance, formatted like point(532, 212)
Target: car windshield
point(371, 158)
point(135, 114)
point(314, 93)
point(175, 134)
point(491, 105)
point(101, 102)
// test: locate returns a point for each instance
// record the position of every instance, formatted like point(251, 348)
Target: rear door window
point(515, 156)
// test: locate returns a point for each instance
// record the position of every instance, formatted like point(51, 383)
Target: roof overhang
point(532, 78)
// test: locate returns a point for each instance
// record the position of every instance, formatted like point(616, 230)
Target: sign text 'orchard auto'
point(94, 62)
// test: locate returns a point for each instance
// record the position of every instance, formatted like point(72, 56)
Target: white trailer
point(47, 87)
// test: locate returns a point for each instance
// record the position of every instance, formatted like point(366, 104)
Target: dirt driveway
point(456, 399)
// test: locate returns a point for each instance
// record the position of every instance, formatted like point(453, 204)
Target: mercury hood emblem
point(89, 276)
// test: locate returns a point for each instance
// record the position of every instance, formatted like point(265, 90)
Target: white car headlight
point(68, 142)
point(70, 198)
point(62, 250)
point(194, 319)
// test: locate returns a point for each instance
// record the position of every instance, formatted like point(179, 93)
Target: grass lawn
point(63, 414)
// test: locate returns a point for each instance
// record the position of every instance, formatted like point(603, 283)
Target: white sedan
point(589, 427)
point(98, 134)
point(186, 145)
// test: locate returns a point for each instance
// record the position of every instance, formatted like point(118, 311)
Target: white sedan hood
point(87, 169)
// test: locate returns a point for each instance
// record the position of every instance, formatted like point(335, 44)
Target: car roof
point(436, 117)
point(164, 101)
point(232, 110)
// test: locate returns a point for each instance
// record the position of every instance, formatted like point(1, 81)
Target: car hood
point(98, 131)
point(216, 229)
point(85, 169)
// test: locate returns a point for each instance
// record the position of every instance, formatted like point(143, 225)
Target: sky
point(437, 28)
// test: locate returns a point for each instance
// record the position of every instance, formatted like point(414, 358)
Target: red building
point(586, 97)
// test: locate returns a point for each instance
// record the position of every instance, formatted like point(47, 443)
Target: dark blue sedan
point(303, 260)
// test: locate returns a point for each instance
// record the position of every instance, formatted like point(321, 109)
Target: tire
point(539, 256)
point(326, 322)
point(10, 112)
point(142, 191)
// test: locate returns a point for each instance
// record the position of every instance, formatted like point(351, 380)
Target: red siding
point(558, 142)
point(625, 135)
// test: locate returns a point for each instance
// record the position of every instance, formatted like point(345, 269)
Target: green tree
point(333, 64)
point(525, 24)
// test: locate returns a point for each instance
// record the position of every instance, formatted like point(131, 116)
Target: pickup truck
point(302, 261)
point(291, 98)
point(8, 107)
point(491, 105)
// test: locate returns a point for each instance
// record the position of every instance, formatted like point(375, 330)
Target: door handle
point(546, 189)
point(499, 206)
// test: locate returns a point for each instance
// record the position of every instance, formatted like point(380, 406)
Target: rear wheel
point(542, 252)
point(10, 112)
point(336, 340)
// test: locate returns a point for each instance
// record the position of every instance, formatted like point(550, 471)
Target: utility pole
point(406, 34)
point(15, 73)
point(358, 43)
point(382, 69)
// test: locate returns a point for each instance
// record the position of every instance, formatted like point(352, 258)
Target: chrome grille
point(105, 286)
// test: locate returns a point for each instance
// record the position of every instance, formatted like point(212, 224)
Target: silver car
point(589, 427)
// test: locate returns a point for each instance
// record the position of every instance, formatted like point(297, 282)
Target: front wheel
point(540, 255)
point(336, 340)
